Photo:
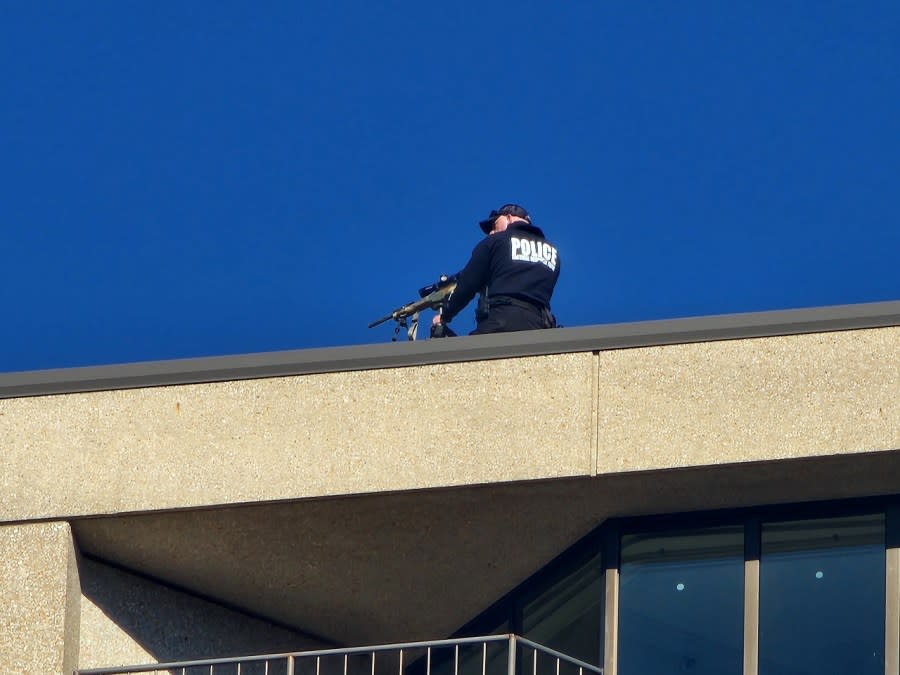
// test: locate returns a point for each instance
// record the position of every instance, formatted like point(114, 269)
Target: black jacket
point(518, 262)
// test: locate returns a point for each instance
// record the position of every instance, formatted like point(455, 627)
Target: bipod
point(411, 326)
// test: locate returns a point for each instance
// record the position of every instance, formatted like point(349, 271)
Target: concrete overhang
point(415, 565)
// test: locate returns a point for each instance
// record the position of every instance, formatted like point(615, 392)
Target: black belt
point(496, 300)
point(547, 317)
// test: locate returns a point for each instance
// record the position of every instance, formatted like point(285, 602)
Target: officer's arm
point(472, 279)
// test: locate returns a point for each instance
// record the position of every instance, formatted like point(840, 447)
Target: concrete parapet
point(759, 399)
point(450, 424)
point(295, 437)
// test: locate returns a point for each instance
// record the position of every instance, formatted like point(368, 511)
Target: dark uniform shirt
point(518, 263)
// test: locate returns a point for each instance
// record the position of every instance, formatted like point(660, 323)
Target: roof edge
point(469, 348)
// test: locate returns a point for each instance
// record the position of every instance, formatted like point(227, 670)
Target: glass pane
point(681, 603)
point(821, 599)
point(565, 615)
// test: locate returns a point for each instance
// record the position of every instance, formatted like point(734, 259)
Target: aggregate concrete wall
point(127, 619)
point(469, 423)
point(295, 437)
point(749, 400)
point(39, 599)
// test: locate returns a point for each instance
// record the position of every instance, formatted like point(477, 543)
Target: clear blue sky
point(189, 179)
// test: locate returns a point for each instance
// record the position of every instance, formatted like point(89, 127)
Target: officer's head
point(499, 219)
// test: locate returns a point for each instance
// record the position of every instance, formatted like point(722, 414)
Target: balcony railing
point(487, 655)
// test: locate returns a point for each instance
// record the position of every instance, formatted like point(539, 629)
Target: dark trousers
point(508, 318)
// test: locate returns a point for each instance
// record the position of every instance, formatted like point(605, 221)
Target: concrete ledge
point(751, 400)
point(296, 437)
point(470, 348)
point(384, 429)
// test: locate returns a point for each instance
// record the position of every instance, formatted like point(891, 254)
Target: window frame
point(606, 539)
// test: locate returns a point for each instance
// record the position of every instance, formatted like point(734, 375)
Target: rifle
point(432, 296)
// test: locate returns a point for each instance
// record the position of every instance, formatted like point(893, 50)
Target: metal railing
point(506, 654)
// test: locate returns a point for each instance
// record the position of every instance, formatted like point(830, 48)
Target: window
point(681, 588)
point(822, 597)
point(681, 598)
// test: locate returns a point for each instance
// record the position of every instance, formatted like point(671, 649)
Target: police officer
point(514, 269)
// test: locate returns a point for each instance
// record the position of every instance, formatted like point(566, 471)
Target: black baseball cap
point(506, 210)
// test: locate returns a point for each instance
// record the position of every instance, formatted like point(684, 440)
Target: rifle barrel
point(381, 320)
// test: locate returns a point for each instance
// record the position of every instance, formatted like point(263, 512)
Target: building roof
point(470, 348)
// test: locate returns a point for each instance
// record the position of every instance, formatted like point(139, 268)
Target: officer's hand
point(436, 320)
